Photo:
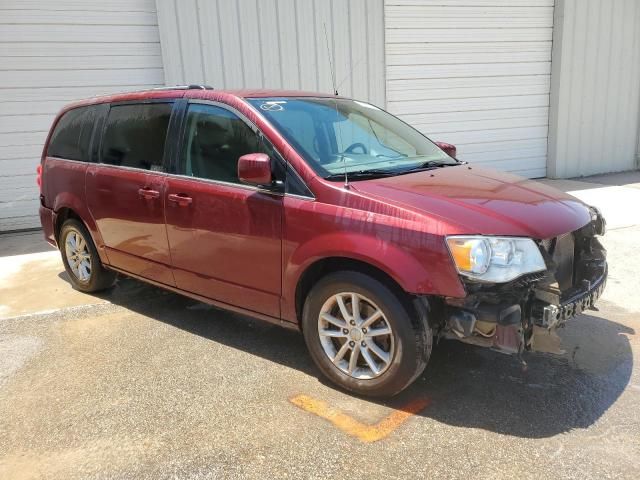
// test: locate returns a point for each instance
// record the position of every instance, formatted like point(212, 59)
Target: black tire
point(412, 336)
point(99, 278)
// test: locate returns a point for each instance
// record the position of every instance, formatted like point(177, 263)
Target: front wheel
point(363, 336)
point(81, 260)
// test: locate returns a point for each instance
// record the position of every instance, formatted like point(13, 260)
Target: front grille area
point(563, 257)
point(573, 280)
point(575, 260)
point(528, 280)
point(577, 275)
point(546, 244)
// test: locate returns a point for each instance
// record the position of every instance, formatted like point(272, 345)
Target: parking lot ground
point(142, 383)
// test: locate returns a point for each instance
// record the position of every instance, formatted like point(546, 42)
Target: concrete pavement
point(142, 383)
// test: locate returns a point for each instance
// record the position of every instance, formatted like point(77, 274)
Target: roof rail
point(157, 89)
point(185, 87)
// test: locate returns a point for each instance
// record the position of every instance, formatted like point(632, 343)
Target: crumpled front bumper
point(506, 316)
point(555, 315)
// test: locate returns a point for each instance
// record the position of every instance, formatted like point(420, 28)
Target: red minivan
point(319, 213)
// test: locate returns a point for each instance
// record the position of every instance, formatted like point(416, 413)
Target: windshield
point(338, 135)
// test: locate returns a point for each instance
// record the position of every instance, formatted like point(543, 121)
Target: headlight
point(495, 259)
point(598, 221)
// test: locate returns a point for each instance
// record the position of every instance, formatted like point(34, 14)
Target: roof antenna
point(335, 91)
point(333, 73)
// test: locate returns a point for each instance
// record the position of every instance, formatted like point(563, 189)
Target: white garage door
point(475, 73)
point(55, 52)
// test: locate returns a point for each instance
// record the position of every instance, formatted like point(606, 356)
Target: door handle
point(181, 199)
point(148, 194)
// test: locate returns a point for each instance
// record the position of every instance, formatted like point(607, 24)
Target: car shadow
point(468, 386)
point(479, 388)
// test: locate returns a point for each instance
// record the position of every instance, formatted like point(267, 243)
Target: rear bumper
point(47, 220)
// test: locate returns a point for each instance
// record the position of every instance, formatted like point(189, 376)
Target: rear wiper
point(361, 175)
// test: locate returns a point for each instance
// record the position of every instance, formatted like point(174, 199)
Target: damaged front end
point(511, 316)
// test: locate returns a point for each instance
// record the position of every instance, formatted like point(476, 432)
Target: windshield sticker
point(273, 106)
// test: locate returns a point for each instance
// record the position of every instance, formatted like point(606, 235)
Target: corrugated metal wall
point(475, 73)
point(275, 44)
point(50, 54)
point(595, 94)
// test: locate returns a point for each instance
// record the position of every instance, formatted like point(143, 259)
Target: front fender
point(420, 265)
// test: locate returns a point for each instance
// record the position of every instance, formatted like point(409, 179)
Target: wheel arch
point(407, 323)
point(62, 215)
point(325, 266)
point(417, 271)
point(66, 210)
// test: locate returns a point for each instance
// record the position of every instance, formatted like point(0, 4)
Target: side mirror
point(255, 169)
point(447, 148)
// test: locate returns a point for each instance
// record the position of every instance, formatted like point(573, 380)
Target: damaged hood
point(482, 201)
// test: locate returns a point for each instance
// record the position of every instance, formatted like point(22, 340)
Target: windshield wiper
point(431, 164)
point(361, 175)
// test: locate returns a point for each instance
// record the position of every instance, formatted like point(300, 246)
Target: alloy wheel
point(355, 335)
point(78, 256)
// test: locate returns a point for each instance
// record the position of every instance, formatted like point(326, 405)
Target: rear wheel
point(363, 336)
point(81, 260)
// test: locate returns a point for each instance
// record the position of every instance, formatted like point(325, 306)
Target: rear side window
point(72, 135)
point(134, 135)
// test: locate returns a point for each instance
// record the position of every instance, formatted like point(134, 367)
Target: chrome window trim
point(242, 186)
point(121, 167)
point(132, 169)
point(70, 160)
point(300, 197)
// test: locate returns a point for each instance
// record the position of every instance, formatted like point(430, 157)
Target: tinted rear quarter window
point(72, 135)
point(135, 135)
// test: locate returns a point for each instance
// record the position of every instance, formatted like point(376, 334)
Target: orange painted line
point(366, 433)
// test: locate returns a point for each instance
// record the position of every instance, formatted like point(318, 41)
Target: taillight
point(39, 177)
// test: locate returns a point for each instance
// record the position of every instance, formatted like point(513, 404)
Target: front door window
point(214, 140)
